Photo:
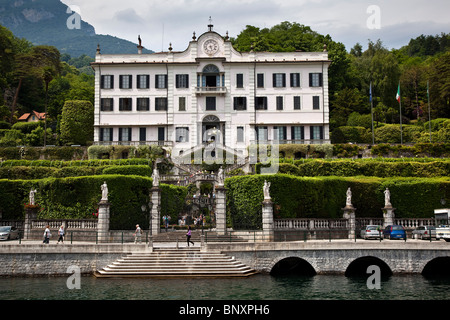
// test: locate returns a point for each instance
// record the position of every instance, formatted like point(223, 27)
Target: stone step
point(176, 263)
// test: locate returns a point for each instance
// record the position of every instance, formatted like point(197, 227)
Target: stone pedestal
point(103, 221)
point(388, 216)
point(221, 210)
point(30, 214)
point(267, 220)
point(349, 214)
point(155, 214)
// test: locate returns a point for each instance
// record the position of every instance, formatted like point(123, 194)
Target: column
point(30, 214)
point(349, 214)
point(388, 216)
point(103, 221)
point(221, 212)
point(155, 219)
point(267, 220)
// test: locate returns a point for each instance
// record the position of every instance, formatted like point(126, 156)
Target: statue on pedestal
point(266, 190)
point(32, 199)
point(220, 177)
point(155, 177)
point(387, 198)
point(349, 198)
point(104, 192)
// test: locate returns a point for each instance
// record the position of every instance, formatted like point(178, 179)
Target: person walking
point(47, 235)
point(61, 234)
point(188, 236)
point(137, 234)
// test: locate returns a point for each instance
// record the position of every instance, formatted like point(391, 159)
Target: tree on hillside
point(439, 79)
point(39, 62)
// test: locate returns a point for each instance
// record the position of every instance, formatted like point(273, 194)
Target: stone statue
point(266, 190)
point(387, 198)
point(32, 199)
point(104, 192)
point(220, 177)
point(349, 198)
point(155, 177)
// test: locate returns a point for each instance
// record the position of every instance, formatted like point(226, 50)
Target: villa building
point(211, 91)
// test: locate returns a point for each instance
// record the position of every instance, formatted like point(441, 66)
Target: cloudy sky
point(160, 22)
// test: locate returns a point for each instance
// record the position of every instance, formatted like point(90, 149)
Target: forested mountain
point(45, 22)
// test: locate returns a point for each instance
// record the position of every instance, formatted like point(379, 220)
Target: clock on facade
point(211, 47)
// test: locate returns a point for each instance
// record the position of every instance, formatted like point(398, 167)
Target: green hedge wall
point(33, 173)
point(301, 197)
point(78, 197)
point(348, 168)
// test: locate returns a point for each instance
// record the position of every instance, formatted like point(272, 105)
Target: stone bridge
point(342, 256)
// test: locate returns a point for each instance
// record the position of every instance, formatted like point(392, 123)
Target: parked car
point(443, 232)
point(424, 232)
point(371, 231)
point(394, 232)
point(9, 233)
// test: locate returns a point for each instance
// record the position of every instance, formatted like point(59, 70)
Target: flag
point(370, 91)
point(397, 97)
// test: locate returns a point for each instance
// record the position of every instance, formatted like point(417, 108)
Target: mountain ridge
point(51, 22)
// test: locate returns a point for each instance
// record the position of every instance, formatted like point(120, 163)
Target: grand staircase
point(176, 263)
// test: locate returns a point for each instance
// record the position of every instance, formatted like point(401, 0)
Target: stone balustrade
point(86, 224)
point(321, 224)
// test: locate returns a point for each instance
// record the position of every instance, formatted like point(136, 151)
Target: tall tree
point(40, 62)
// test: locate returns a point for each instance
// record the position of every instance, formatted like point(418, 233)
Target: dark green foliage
point(351, 134)
point(78, 198)
point(172, 201)
point(145, 171)
point(77, 123)
point(297, 197)
point(373, 168)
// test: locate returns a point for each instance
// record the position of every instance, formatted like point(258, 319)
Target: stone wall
point(54, 260)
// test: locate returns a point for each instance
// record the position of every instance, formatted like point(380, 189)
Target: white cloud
point(162, 21)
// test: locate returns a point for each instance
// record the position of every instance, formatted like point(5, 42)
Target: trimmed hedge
point(78, 198)
point(33, 173)
point(301, 197)
point(374, 168)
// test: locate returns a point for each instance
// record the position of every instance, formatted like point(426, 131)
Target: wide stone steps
point(176, 263)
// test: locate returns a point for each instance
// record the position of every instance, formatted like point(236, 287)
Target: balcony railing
point(303, 141)
point(211, 90)
point(134, 143)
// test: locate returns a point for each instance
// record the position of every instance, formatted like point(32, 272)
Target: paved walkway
point(166, 244)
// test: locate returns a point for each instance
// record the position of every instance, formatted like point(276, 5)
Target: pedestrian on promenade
point(137, 234)
point(61, 234)
point(188, 236)
point(47, 234)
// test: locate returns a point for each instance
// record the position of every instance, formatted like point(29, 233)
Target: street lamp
point(150, 240)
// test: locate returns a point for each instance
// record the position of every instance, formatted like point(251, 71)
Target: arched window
point(210, 68)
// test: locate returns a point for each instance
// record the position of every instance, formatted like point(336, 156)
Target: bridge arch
point(437, 267)
point(358, 267)
point(292, 266)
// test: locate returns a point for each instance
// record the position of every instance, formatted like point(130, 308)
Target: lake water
point(258, 287)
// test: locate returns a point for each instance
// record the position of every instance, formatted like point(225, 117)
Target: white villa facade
point(182, 99)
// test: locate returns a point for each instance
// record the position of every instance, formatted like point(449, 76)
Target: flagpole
point(399, 98)
point(429, 109)
point(371, 111)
